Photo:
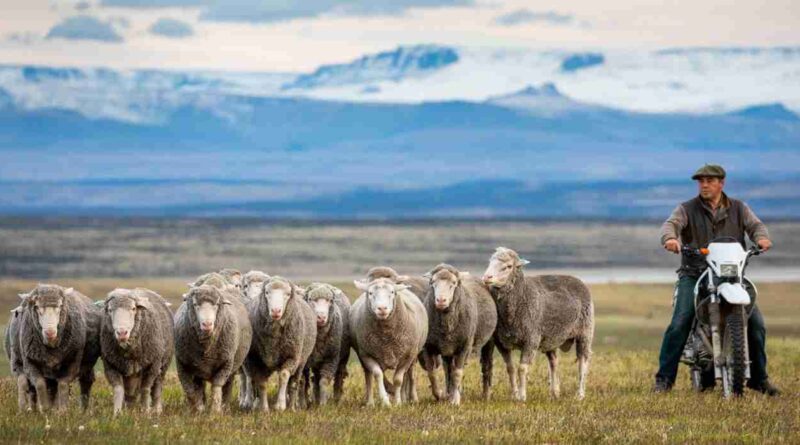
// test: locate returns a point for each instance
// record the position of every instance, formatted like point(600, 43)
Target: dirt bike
point(718, 340)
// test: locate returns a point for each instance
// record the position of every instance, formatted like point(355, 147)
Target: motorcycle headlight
point(729, 270)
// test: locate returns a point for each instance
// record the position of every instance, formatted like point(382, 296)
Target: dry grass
point(618, 409)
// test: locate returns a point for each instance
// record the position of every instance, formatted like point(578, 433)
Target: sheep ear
point(68, 291)
point(167, 303)
point(522, 262)
point(403, 278)
point(427, 275)
point(361, 284)
point(191, 285)
point(225, 301)
point(24, 296)
point(464, 275)
point(185, 297)
point(144, 303)
point(401, 287)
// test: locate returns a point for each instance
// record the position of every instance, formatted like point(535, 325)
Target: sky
point(299, 35)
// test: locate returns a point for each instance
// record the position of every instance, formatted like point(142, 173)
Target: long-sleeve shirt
point(678, 220)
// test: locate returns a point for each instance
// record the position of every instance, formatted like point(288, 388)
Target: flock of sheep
point(255, 325)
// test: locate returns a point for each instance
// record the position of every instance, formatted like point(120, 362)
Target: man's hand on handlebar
point(674, 245)
point(764, 244)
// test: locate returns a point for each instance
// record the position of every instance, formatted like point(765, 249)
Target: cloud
point(84, 27)
point(522, 16)
point(277, 11)
point(174, 29)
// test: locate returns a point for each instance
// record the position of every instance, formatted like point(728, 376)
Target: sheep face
point(48, 301)
point(278, 293)
point(205, 302)
point(122, 306)
point(322, 308)
point(381, 296)
point(233, 276)
point(254, 288)
point(444, 283)
point(502, 265)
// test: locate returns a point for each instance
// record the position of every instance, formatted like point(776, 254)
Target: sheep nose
point(122, 333)
point(486, 277)
point(276, 313)
point(321, 320)
point(206, 325)
point(50, 333)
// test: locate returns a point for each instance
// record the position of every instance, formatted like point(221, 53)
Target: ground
point(619, 407)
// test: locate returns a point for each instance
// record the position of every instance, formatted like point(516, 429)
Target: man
point(696, 222)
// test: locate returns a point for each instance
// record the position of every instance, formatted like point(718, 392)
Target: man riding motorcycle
point(712, 214)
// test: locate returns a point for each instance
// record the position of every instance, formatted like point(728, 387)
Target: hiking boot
point(662, 386)
point(765, 387)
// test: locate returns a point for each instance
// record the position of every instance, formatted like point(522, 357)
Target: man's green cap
point(709, 171)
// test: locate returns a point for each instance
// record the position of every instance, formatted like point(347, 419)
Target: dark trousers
point(681, 325)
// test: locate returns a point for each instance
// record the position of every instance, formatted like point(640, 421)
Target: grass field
point(619, 407)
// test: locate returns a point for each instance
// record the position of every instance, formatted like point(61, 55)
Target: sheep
point(389, 326)
point(544, 312)
point(136, 346)
point(59, 342)
point(253, 285)
point(419, 286)
point(233, 276)
point(328, 361)
point(461, 318)
point(212, 338)
point(283, 340)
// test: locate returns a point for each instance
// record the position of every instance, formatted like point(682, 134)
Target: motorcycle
point(718, 339)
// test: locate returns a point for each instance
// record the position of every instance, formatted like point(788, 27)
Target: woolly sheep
point(461, 318)
point(59, 342)
point(284, 334)
point(328, 361)
point(212, 338)
point(136, 345)
point(389, 326)
point(543, 312)
point(26, 393)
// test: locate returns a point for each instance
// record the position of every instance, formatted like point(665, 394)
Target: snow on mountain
point(544, 101)
point(143, 97)
point(400, 64)
point(698, 80)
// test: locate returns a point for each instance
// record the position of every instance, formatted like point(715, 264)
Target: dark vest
point(702, 227)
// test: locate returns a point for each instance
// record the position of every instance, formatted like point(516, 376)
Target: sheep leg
point(321, 390)
point(247, 390)
point(216, 398)
point(193, 388)
point(511, 368)
point(132, 384)
point(525, 359)
point(283, 384)
point(429, 364)
point(146, 389)
point(242, 388)
point(397, 379)
point(410, 385)
point(42, 394)
point(294, 386)
point(377, 373)
point(86, 381)
point(457, 371)
point(22, 392)
point(260, 385)
point(487, 359)
point(227, 391)
point(115, 379)
point(62, 395)
point(448, 369)
point(584, 353)
point(158, 386)
point(368, 396)
point(341, 375)
point(552, 359)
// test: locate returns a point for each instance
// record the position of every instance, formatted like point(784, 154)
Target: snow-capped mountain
point(680, 80)
point(400, 64)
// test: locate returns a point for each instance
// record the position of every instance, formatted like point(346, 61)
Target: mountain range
point(334, 143)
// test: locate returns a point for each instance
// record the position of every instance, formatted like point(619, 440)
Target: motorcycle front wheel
point(735, 350)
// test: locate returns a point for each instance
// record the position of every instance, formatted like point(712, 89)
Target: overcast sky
point(298, 35)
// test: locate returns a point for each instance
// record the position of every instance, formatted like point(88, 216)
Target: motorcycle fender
point(734, 293)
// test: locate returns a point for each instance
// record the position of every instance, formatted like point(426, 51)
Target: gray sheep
point(212, 337)
point(542, 313)
point(59, 342)
point(284, 334)
point(461, 318)
point(389, 326)
point(136, 345)
point(233, 276)
point(328, 361)
point(419, 286)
